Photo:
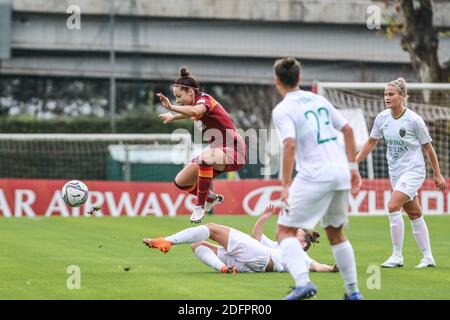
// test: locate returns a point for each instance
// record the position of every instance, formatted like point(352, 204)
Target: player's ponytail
point(186, 81)
point(310, 238)
point(184, 72)
point(288, 71)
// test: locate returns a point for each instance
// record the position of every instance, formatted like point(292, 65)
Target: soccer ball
point(75, 193)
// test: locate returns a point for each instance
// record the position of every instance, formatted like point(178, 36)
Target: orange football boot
point(226, 269)
point(159, 243)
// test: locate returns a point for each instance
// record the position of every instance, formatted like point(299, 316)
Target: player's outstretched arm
point(168, 117)
point(367, 148)
point(320, 267)
point(258, 228)
point(439, 180)
point(188, 111)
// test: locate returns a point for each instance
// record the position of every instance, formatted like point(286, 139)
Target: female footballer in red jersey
point(227, 150)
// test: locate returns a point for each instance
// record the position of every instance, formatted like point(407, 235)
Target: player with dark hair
point(237, 251)
point(227, 149)
point(308, 125)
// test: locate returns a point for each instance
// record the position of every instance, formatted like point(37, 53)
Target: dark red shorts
point(236, 158)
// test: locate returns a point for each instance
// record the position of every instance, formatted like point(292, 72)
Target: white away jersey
point(404, 138)
point(321, 161)
point(275, 255)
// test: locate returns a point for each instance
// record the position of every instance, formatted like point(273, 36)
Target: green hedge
point(64, 161)
point(124, 124)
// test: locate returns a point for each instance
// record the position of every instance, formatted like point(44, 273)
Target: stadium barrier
point(37, 197)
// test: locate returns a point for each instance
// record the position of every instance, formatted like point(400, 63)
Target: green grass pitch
point(114, 264)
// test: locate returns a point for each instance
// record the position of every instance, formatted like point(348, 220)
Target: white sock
point(397, 232)
point(190, 235)
point(208, 257)
point(420, 232)
point(345, 259)
point(294, 257)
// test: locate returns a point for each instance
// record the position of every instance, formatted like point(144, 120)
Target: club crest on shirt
point(402, 132)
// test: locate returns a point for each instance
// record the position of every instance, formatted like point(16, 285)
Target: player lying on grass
point(239, 252)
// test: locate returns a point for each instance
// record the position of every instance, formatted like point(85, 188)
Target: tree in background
point(249, 105)
point(413, 20)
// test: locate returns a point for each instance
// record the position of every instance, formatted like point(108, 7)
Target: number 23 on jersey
point(320, 119)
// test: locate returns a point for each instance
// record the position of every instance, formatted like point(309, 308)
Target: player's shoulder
point(280, 108)
point(293, 99)
point(203, 97)
point(412, 115)
point(306, 97)
point(317, 97)
point(209, 101)
point(383, 115)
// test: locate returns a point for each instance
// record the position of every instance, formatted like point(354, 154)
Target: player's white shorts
point(408, 183)
point(308, 207)
point(244, 252)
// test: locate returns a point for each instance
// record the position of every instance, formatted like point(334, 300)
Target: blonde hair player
point(404, 133)
point(239, 252)
point(308, 126)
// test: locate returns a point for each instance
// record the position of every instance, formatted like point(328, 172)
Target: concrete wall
point(213, 69)
point(222, 40)
point(210, 38)
point(310, 11)
point(5, 29)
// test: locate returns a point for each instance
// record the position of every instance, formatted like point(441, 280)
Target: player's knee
point(211, 226)
point(414, 215)
point(195, 245)
point(180, 184)
point(335, 235)
point(215, 230)
point(178, 181)
point(207, 160)
point(393, 207)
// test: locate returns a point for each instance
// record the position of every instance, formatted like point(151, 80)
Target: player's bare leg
point(219, 234)
point(205, 252)
point(208, 161)
point(211, 246)
point(187, 180)
point(187, 177)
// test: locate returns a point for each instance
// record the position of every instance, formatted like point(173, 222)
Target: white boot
point(198, 214)
point(426, 263)
point(393, 262)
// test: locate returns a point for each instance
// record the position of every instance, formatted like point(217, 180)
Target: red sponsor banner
point(30, 198)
